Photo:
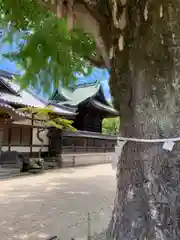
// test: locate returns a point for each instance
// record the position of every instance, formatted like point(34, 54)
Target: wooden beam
point(9, 137)
point(31, 141)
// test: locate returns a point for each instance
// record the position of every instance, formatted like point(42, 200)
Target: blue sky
point(97, 74)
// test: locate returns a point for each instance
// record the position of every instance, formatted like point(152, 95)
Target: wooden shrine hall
point(84, 103)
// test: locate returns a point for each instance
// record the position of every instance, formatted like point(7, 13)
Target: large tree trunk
point(145, 85)
point(147, 201)
point(147, 204)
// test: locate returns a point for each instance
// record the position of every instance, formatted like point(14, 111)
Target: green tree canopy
point(47, 51)
point(49, 118)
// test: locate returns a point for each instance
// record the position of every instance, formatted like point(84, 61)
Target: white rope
point(168, 144)
point(163, 140)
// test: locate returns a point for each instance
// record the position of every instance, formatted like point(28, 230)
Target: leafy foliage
point(49, 118)
point(111, 125)
point(46, 49)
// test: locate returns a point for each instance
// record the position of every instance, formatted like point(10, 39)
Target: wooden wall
point(21, 136)
point(87, 145)
point(88, 119)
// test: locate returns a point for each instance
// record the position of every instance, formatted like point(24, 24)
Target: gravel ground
point(57, 203)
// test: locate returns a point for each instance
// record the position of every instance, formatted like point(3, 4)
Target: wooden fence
point(87, 142)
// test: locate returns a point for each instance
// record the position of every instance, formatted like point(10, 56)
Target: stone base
point(65, 160)
point(7, 172)
point(85, 159)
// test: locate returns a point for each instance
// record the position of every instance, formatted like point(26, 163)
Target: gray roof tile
point(26, 98)
point(14, 114)
point(101, 106)
point(79, 95)
point(83, 93)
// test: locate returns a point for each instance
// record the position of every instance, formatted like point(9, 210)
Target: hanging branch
point(40, 130)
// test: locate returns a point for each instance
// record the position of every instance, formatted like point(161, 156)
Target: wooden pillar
point(31, 137)
point(3, 122)
point(9, 136)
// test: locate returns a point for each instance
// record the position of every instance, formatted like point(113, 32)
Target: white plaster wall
point(43, 135)
point(17, 148)
point(29, 122)
point(36, 149)
point(20, 149)
point(5, 148)
point(36, 122)
point(24, 122)
point(80, 159)
point(24, 149)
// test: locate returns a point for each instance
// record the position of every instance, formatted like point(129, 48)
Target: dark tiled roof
point(85, 134)
point(25, 97)
point(82, 93)
point(14, 114)
point(103, 107)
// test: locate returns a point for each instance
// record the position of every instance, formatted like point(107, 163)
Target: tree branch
point(48, 5)
point(96, 62)
point(86, 17)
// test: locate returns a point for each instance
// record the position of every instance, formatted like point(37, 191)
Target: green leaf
point(49, 118)
point(46, 46)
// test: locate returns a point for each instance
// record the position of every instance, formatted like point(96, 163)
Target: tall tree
point(138, 41)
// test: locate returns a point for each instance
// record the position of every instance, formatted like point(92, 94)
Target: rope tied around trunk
point(168, 144)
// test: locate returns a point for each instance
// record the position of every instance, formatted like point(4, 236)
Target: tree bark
point(145, 86)
point(147, 205)
point(40, 130)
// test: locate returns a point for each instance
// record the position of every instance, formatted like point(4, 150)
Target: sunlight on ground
point(57, 203)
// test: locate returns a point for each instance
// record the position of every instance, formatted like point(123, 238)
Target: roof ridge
point(8, 85)
point(73, 109)
point(107, 102)
point(7, 74)
point(81, 85)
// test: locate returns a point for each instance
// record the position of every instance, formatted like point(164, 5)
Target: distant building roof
point(23, 97)
point(81, 93)
point(13, 114)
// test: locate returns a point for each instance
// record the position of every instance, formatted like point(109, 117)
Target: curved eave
point(104, 97)
point(26, 98)
point(104, 108)
point(62, 112)
point(61, 108)
point(78, 97)
point(61, 94)
point(14, 114)
point(75, 104)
